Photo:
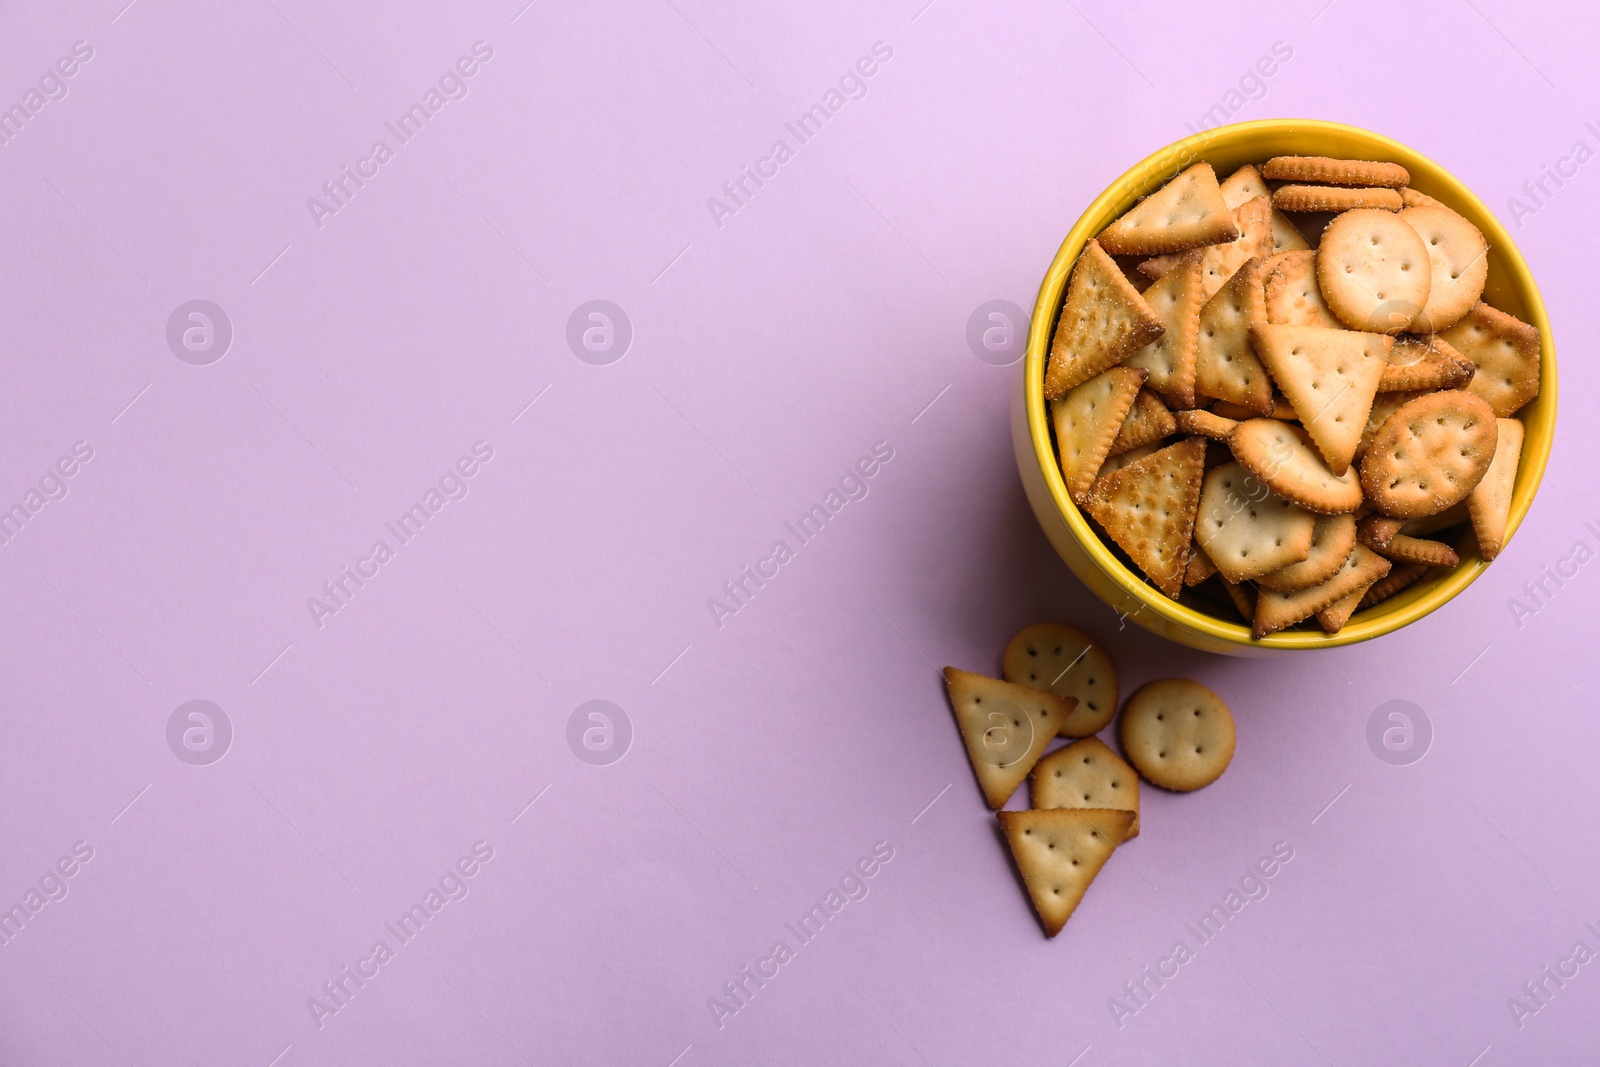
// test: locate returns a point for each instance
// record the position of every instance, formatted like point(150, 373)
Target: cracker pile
point(1056, 681)
point(1292, 417)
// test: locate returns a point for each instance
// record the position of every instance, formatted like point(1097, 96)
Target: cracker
point(1176, 298)
point(1331, 544)
point(1411, 198)
point(1334, 198)
point(1148, 421)
point(1243, 185)
point(1205, 423)
point(1148, 509)
point(1506, 352)
point(1363, 172)
point(1281, 455)
point(1452, 516)
point(1063, 660)
point(1330, 377)
point(1246, 529)
point(1200, 567)
point(1376, 531)
point(1178, 733)
point(1058, 851)
point(1185, 213)
point(1006, 728)
point(1397, 579)
point(1219, 262)
point(1404, 549)
point(1243, 597)
point(1333, 617)
point(1087, 420)
point(1429, 454)
point(1103, 321)
point(1282, 410)
point(1374, 271)
point(1489, 503)
point(1225, 365)
point(1115, 463)
point(1236, 412)
point(1459, 260)
point(1085, 774)
point(1293, 296)
point(1275, 610)
point(1424, 363)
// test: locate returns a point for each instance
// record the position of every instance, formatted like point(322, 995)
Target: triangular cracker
point(1489, 503)
point(1200, 567)
point(1218, 262)
point(1424, 363)
point(1333, 617)
point(1005, 727)
point(1148, 508)
point(1088, 419)
point(1148, 421)
point(1176, 299)
point(1058, 852)
point(1186, 212)
point(1330, 377)
point(1103, 321)
point(1085, 774)
point(1225, 365)
point(1246, 184)
point(1275, 610)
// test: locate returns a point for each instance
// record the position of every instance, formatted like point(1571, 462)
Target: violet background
point(769, 354)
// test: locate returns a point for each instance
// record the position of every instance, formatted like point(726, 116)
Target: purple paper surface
point(626, 293)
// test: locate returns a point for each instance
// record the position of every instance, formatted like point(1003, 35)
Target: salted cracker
point(1226, 367)
point(1275, 610)
point(1185, 213)
point(1429, 454)
point(1176, 298)
point(1334, 198)
point(1148, 509)
point(1458, 256)
point(1489, 503)
point(1147, 421)
point(1205, 423)
point(1058, 852)
point(1219, 262)
point(1064, 660)
point(1374, 271)
point(1200, 567)
point(1245, 528)
point(1332, 541)
point(1505, 351)
point(1281, 455)
point(1087, 420)
point(1104, 320)
point(1398, 578)
point(1293, 296)
point(1360, 172)
point(1424, 363)
point(1330, 378)
point(1086, 774)
point(1006, 728)
point(1177, 733)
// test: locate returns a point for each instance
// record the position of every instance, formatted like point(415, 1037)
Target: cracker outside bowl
point(1510, 287)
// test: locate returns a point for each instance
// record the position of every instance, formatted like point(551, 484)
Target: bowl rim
point(1120, 194)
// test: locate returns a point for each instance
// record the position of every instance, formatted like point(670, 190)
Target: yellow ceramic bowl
point(1510, 287)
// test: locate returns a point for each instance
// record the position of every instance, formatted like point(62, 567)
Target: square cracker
point(1104, 320)
point(1148, 509)
point(1505, 351)
point(1330, 377)
point(1006, 728)
point(1185, 213)
point(1058, 852)
point(1085, 774)
point(1088, 419)
point(1176, 298)
point(1226, 367)
point(1247, 529)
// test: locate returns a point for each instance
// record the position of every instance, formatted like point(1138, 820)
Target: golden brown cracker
point(1354, 172)
point(1006, 728)
point(1331, 544)
point(1275, 610)
point(1245, 528)
point(1205, 423)
point(1397, 579)
point(1330, 377)
point(1281, 455)
point(1293, 296)
point(1148, 509)
point(1374, 271)
point(1334, 198)
point(1064, 660)
point(1104, 320)
point(1147, 421)
point(1219, 262)
point(1177, 733)
point(1176, 298)
point(1424, 363)
point(1087, 420)
point(1058, 852)
point(1085, 774)
point(1185, 213)
point(1489, 503)
point(1505, 351)
point(1226, 366)
point(1429, 454)
point(1459, 265)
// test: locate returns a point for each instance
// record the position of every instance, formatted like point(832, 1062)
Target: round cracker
point(1332, 541)
point(1282, 456)
point(1429, 454)
point(1459, 259)
point(1373, 270)
point(1177, 734)
point(1064, 660)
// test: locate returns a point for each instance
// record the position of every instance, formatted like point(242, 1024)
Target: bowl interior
point(1510, 287)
